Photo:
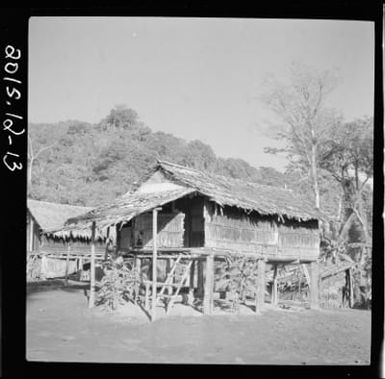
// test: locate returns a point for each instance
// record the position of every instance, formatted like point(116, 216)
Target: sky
point(194, 78)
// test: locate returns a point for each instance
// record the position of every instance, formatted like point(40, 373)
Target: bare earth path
point(60, 327)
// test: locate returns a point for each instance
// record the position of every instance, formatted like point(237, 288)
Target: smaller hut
point(49, 255)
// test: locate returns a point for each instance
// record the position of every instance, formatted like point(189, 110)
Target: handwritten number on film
point(12, 55)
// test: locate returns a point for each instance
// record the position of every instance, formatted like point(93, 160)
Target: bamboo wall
point(170, 230)
point(60, 246)
point(231, 228)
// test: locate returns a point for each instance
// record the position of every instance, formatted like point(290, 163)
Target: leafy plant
point(119, 285)
point(239, 277)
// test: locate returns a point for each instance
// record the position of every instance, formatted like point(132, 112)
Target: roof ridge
point(64, 205)
point(205, 172)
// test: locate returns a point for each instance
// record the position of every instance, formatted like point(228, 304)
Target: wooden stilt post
point(351, 289)
point(80, 267)
point(274, 292)
point(138, 264)
point(154, 261)
point(191, 287)
point(314, 285)
point(260, 295)
point(208, 300)
point(92, 268)
point(67, 262)
point(169, 264)
point(200, 279)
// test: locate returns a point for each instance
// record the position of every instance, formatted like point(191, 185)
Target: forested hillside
point(87, 164)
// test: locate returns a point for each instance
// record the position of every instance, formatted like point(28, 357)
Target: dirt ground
point(60, 327)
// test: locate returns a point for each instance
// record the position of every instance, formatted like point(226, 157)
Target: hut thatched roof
point(266, 200)
point(122, 209)
point(53, 215)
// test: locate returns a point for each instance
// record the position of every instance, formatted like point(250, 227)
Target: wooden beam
point(67, 262)
point(91, 302)
point(314, 285)
point(208, 300)
point(154, 261)
point(260, 294)
point(191, 284)
point(274, 292)
point(80, 268)
point(200, 279)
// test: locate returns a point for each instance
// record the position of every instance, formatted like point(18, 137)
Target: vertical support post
point(137, 285)
point(92, 268)
point(208, 300)
point(80, 268)
point(67, 262)
point(314, 285)
point(138, 264)
point(192, 276)
point(154, 261)
point(169, 265)
point(351, 290)
point(260, 295)
point(274, 294)
point(200, 279)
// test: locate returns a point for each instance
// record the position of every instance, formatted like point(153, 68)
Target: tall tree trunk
point(314, 174)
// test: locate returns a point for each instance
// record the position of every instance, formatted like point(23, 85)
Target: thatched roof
point(122, 209)
point(53, 215)
point(265, 200)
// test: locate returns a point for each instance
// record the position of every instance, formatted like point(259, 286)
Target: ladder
point(169, 280)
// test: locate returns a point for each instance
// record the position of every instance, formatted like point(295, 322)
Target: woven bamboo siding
point(170, 230)
point(232, 228)
point(59, 246)
point(294, 240)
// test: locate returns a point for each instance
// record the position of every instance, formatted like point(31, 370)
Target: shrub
point(119, 285)
point(239, 277)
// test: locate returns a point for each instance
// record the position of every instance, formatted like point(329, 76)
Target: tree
point(199, 155)
point(300, 104)
point(348, 156)
point(32, 156)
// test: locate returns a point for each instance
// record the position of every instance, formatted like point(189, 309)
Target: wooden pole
point(80, 268)
point(314, 285)
point(191, 289)
point(169, 264)
point(200, 279)
point(92, 267)
point(274, 293)
point(154, 261)
point(260, 295)
point(208, 300)
point(351, 289)
point(67, 262)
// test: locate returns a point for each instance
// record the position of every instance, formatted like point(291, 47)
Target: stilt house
point(201, 217)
